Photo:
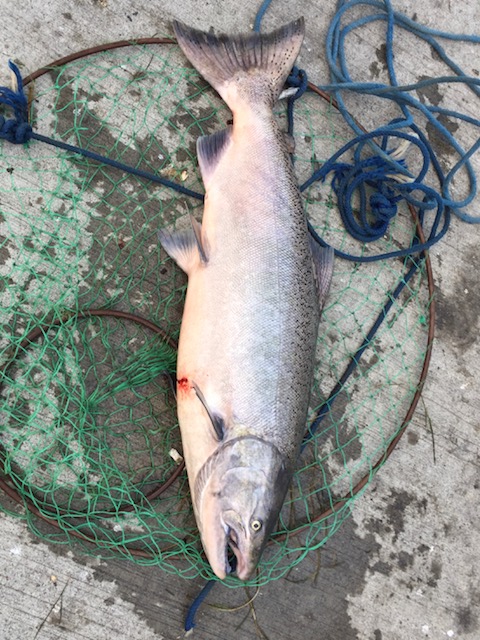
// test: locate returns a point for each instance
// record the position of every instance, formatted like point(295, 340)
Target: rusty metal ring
point(13, 494)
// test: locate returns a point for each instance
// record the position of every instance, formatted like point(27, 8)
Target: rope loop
point(373, 180)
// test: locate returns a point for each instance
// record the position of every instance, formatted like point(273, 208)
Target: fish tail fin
point(252, 67)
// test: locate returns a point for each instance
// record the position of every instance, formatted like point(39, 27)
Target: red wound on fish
point(183, 384)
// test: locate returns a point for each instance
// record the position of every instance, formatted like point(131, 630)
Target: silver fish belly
point(255, 288)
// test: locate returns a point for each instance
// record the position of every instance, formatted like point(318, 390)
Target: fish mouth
point(233, 560)
point(218, 554)
point(239, 564)
point(222, 561)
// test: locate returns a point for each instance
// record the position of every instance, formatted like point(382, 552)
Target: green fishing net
point(90, 311)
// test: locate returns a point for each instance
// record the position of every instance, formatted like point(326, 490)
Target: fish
point(256, 285)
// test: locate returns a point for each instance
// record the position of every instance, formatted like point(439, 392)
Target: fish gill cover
point(90, 311)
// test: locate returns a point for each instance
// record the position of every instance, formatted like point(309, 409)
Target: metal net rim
point(123, 550)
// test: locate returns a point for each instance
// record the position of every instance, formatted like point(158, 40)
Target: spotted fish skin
point(255, 288)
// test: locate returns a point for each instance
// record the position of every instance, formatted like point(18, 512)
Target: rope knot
point(382, 206)
point(15, 131)
point(298, 78)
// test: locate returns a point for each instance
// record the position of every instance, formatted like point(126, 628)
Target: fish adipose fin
point(185, 246)
point(250, 67)
point(322, 269)
point(209, 151)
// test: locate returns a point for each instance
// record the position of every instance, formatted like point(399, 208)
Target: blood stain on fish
point(183, 385)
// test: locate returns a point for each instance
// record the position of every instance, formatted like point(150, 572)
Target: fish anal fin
point(322, 258)
point(209, 151)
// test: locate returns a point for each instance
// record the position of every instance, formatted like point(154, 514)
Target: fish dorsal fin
point(210, 149)
point(217, 421)
point(322, 269)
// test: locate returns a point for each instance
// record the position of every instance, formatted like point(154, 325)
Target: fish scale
point(260, 286)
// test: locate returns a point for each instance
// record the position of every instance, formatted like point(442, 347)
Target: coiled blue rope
point(401, 95)
point(386, 190)
point(384, 185)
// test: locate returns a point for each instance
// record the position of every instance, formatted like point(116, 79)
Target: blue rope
point(114, 163)
point(260, 13)
point(297, 78)
point(196, 604)
point(341, 80)
point(326, 407)
point(17, 130)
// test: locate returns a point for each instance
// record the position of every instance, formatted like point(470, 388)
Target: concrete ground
point(404, 566)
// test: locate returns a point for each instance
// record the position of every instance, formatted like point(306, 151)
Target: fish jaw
point(247, 551)
point(224, 530)
point(217, 539)
point(215, 543)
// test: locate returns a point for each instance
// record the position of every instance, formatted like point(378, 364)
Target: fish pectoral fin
point(184, 246)
point(322, 269)
point(216, 419)
point(210, 149)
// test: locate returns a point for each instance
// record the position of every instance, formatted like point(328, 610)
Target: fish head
point(239, 493)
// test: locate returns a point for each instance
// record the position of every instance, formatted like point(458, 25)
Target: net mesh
point(88, 425)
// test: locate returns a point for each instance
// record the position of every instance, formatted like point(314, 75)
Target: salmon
point(256, 284)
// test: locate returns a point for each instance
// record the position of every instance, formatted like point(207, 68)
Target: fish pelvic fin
point(243, 68)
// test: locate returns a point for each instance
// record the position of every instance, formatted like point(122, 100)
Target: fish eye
point(256, 525)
